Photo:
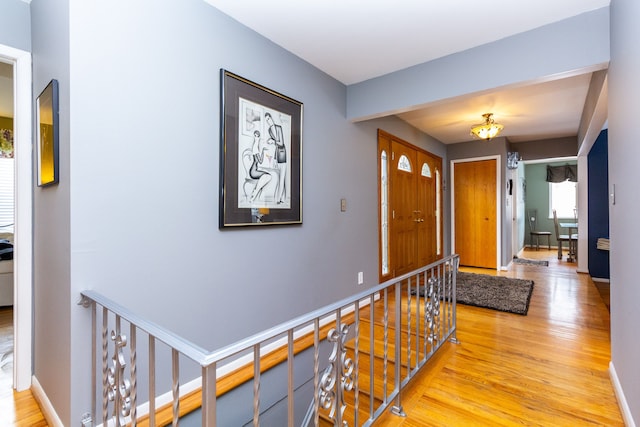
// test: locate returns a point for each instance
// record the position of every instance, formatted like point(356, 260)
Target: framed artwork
point(47, 135)
point(260, 155)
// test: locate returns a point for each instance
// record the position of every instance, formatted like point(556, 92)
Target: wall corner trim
point(622, 401)
point(45, 404)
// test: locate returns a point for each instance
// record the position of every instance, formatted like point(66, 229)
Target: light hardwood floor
point(16, 409)
point(548, 368)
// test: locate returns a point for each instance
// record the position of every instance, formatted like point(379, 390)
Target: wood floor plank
point(547, 368)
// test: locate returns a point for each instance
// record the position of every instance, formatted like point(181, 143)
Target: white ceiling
point(356, 40)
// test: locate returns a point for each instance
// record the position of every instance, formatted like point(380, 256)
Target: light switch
point(612, 195)
point(343, 205)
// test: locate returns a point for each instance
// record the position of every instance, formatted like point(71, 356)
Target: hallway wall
point(137, 204)
point(624, 108)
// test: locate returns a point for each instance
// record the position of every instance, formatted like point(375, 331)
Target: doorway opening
point(20, 62)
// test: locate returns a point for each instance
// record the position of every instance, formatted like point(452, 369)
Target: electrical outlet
point(360, 278)
point(86, 420)
point(343, 205)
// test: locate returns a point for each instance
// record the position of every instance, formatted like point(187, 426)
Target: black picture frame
point(47, 134)
point(260, 155)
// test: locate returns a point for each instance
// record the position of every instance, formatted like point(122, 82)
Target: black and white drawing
point(263, 172)
point(260, 155)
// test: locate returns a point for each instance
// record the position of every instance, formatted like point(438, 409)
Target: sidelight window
point(384, 213)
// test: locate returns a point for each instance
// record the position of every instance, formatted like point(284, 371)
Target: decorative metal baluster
point(134, 377)
point(316, 372)
point(418, 318)
point(386, 345)
point(347, 366)
point(371, 354)
point(340, 406)
point(453, 268)
point(436, 311)
point(397, 408)
point(356, 357)
point(425, 322)
point(152, 381)
point(290, 375)
point(399, 327)
point(256, 385)
point(429, 314)
point(119, 386)
point(331, 387)
point(209, 395)
point(175, 368)
point(447, 281)
point(328, 379)
point(105, 366)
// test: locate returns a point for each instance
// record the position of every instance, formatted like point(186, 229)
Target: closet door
point(475, 213)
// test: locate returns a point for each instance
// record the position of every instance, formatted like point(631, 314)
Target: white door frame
point(23, 230)
point(515, 203)
point(498, 204)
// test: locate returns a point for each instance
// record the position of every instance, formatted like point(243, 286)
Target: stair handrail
point(209, 359)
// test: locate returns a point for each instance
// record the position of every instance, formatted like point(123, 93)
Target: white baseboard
point(45, 404)
point(598, 279)
point(622, 401)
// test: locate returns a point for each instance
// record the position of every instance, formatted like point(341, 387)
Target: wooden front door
point(409, 212)
point(405, 212)
point(429, 233)
point(475, 213)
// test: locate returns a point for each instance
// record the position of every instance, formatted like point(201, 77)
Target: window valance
point(562, 173)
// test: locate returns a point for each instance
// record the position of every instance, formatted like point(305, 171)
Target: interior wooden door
point(405, 217)
point(427, 229)
point(475, 215)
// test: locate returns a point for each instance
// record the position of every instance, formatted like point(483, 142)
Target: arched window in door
point(426, 170)
point(404, 164)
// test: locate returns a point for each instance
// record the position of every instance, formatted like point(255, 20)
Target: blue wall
point(598, 205)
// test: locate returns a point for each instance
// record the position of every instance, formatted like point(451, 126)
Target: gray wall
point(15, 28)
point(558, 49)
point(136, 209)
point(547, 148)
point(624, 173)
point(135, 214)
point(52, 297)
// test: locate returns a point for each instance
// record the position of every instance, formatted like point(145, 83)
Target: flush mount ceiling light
point(487, 130)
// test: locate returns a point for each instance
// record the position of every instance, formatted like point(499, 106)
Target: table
point(573, 241)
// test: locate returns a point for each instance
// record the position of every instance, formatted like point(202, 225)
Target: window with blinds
point(6, 195)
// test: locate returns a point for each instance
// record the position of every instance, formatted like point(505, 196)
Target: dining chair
point(532, 216)
point(561, 238)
